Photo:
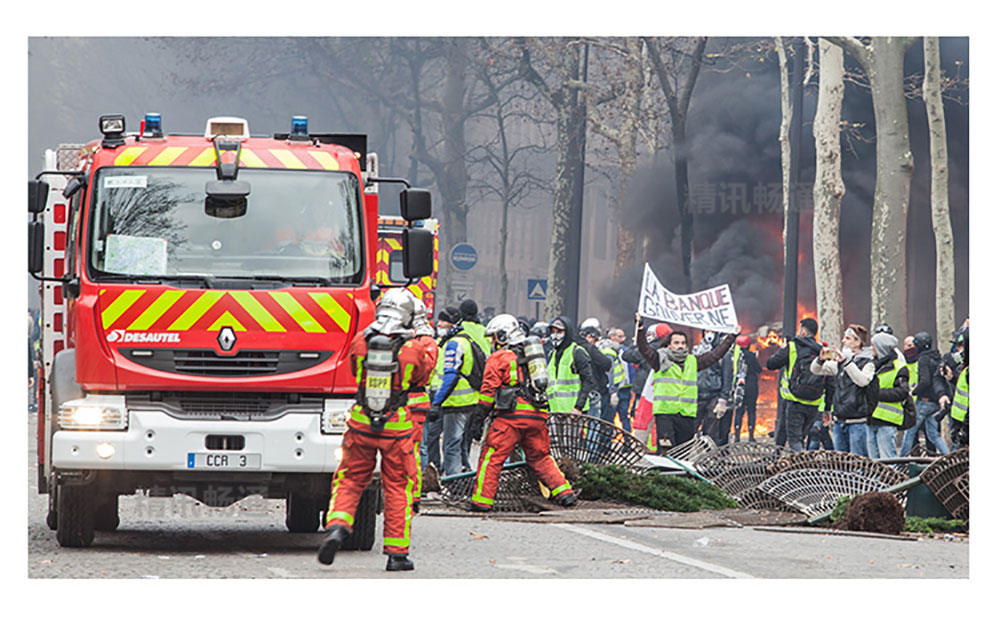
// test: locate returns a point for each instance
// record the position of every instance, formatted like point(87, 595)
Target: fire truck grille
point(213, 405)
point(208, 363)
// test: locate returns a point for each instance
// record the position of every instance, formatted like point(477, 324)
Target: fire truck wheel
point(106, 513)
point(52, 518)
point(301, 513)
point(75, 515)
point(363, 536)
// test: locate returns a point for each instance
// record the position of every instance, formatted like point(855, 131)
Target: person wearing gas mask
point(713, 385)
point(514, 391)
point(571, 376)
point(927, 387)
point(385, 361)
point(418, 399)
point(675, 384)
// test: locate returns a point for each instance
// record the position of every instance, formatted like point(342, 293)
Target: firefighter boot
point(566, 499)
point(399, 563)
point(477, 508)
point(334, 539)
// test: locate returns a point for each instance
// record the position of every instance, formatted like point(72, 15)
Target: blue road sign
point(537, 289)
point(463, 256)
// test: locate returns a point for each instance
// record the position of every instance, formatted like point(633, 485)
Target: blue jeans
point(931, 428)
point(850, 437)
point(449, 428)
point(882, 441)
point(624, 398)
point(595, 406)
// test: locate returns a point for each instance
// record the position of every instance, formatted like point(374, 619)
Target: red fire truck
point(199, 293)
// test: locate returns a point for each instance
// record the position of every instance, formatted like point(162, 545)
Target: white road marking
point(678, 558)
point(521, 566)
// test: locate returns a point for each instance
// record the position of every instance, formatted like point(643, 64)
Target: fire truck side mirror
point(38, 196)
point(36, 246)
point(414, 204)
point(418, 253)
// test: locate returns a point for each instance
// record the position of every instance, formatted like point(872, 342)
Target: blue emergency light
point(153, 126)
point(300, 125)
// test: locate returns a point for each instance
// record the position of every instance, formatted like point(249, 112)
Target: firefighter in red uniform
point(514, 383)
point(385, 361)
point(417, 398)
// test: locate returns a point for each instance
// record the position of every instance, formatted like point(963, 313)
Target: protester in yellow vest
point(893, 380)
point(570, 374)
point(799, 413)
point(675, 384)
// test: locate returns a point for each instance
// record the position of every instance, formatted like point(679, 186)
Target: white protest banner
point(710, 309)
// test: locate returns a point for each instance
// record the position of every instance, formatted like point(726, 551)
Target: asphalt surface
point(170, 538)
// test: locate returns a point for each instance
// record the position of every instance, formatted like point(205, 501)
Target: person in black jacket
point(927, 393)
point(714, 382)
point(600, 366)
point(798, 415)
point(851, 370)
point(750, 375)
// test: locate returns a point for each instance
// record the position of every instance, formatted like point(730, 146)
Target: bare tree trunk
point(626, 142)
point(566, 157)
point(940, 213)
point(503, 253)
point(828, 191)
point(784, 137)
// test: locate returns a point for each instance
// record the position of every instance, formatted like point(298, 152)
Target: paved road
point(180, 538)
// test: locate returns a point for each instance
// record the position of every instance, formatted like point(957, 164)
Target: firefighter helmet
point(506, 329)
point(394, 313)
point(421, 327)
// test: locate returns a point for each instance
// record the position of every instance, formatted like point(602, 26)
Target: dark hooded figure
point(571, 377)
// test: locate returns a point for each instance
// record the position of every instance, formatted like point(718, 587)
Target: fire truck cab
point(199, 295)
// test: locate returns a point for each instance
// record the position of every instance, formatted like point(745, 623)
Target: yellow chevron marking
point(196, 310)
point(129, 155)
point(168, 156)
point(287, 158)
point(340, 316)
point(205, 158)
point(119, 306)
point(325, 160)
point(156, 309)
point(257, 311)
point(297, 312)
point(251, 159)
point(227, 320)
point(394, 244)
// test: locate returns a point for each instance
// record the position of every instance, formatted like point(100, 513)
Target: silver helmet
point(421, 327)
point(506, 329)
point(394, 313)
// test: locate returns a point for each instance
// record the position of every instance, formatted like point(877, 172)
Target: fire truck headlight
point(334, 418)
point(102, 413)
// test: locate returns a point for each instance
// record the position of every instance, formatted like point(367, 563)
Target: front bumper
point(158, 441)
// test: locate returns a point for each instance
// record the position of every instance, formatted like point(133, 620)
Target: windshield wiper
point(156, 279)
point(320, 281)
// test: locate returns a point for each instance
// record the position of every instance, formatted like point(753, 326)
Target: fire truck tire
point(301, 513)
point(75, 516)
point(52, 518)
point(363, 536)
point(106, 513)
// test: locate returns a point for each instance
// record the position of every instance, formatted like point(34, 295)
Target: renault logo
point(227, 339)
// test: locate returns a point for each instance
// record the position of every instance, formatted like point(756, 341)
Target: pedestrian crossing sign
point(537, 289)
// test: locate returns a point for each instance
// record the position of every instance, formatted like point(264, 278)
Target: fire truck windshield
point(151, 222)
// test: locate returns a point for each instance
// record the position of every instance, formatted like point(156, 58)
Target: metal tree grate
point(736, 454)
point(590, 440)
point(816, 491)
point(739, 478)
point(948, 479)
point(516, 481)
point(834, 460)
point(757, 499)
point(696, 448)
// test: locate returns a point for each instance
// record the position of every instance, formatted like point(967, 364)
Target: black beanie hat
point(469, 309)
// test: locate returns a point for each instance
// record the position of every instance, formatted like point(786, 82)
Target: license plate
point(223, 461)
